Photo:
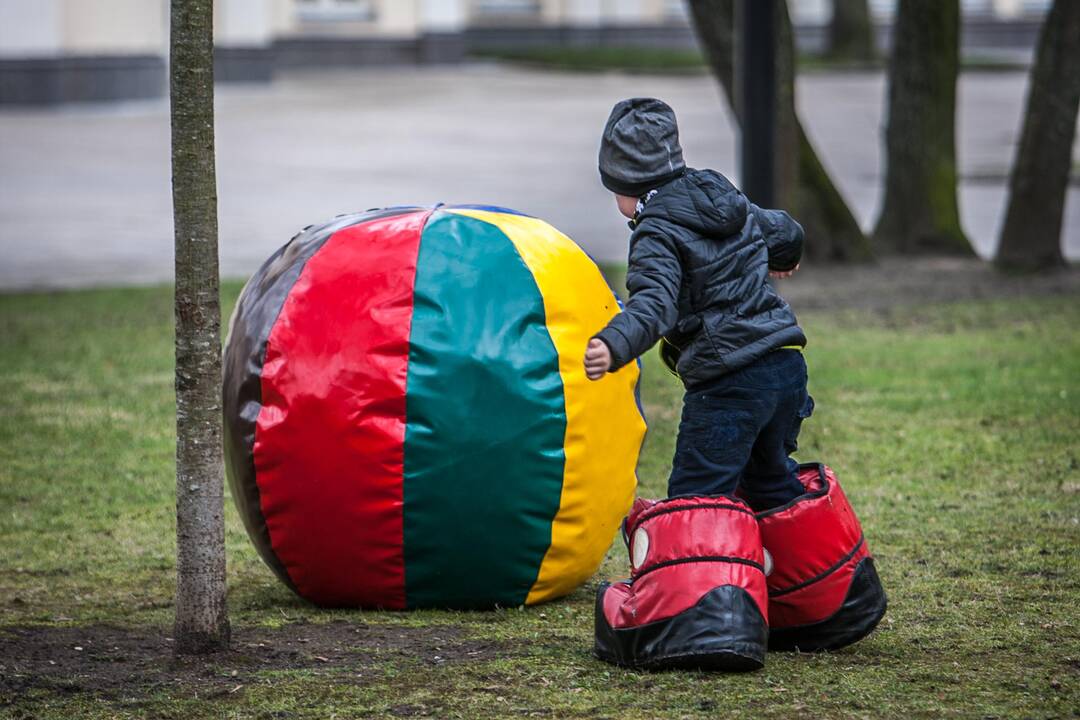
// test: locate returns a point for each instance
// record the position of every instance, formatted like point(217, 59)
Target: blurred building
point(54, 51)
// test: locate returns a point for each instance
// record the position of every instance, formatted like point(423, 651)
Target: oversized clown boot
point(824, 592)
point(696, 596)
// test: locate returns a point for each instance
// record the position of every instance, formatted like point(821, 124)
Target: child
point(700, 256)
point(714, 583)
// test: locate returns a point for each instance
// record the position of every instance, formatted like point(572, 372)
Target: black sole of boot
point(862, 610)
point(723, 631)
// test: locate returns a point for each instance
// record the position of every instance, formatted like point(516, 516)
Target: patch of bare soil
point(896, 282)
point(110, 662)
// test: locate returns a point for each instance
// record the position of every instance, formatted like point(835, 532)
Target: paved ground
point(84, 192)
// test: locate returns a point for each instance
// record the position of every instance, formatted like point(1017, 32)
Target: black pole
point(757, 88)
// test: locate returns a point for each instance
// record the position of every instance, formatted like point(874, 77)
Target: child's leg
point(771, 479)
point(718, 430)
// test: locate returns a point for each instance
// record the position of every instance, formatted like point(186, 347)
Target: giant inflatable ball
point(407, 418)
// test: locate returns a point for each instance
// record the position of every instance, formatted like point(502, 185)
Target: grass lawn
point(955, 429)
point(659, 60)
point(599, 58)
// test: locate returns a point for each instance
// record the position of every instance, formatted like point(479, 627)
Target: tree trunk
point(919, 212)
point(851, 32)
point(202, 623)
point(1031, 237)
point(803, 186)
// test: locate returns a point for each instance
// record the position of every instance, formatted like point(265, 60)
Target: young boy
point(700, 257)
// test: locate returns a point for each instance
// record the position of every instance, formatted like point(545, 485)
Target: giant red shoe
point(696, 596)
point(824, 592)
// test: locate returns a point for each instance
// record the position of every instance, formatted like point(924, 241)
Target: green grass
point(598, 58)
point(955, 430)
point(671, 61)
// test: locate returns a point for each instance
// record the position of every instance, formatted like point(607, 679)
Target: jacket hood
point(703, 201)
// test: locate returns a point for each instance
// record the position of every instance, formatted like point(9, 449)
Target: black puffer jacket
point(699, 261)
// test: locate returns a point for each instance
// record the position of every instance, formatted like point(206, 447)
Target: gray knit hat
point(640, 148)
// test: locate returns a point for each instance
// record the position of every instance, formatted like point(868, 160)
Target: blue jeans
point(739, 431)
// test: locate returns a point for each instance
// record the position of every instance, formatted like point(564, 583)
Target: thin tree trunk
point(803, 186)
point(851, 32)
point(202, 623)
point(1031, 237)
point(789, 131)
point(920, 213)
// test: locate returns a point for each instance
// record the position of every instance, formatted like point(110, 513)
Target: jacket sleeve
point(783, 236)
point(653, 277)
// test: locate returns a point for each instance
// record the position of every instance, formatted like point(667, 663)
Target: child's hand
point(781, 274)
point(597, 359)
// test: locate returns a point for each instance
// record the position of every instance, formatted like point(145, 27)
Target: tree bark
point(803, 185)
point(851, 32)
point(202, 623)
point(1031, 237)
point(919, 212)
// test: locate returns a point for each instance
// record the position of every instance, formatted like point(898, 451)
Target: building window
point(675, 10)
point(335, 10)
point(507, 8)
